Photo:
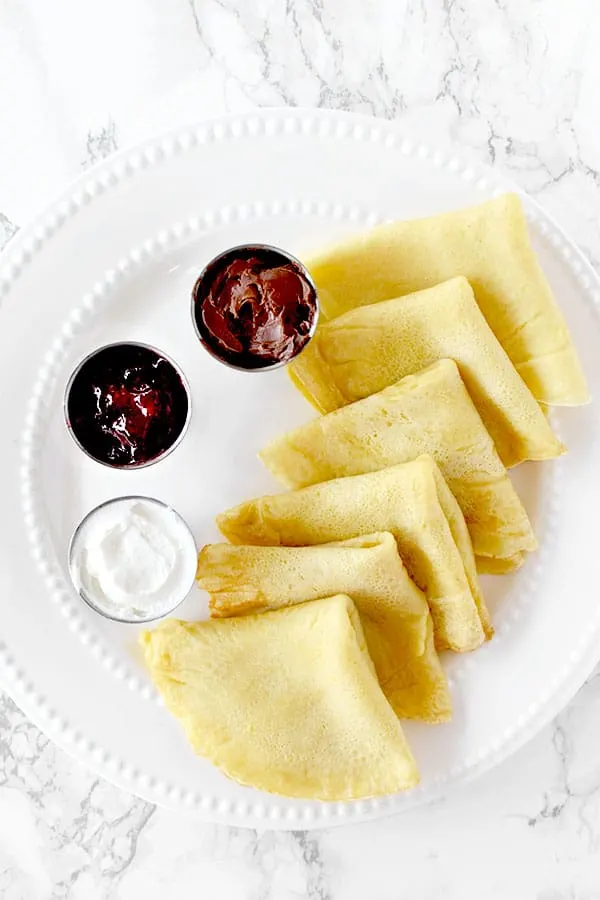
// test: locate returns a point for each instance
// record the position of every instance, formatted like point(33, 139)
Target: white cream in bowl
point(133, 559)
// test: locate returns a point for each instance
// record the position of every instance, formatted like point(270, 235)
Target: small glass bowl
point(212, 268)
point(76, 372)
point(191, 552)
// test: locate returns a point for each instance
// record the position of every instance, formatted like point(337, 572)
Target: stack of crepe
point(412, 502)
point(488, 245)
point(438, 341)
point(394, 613)
point(432, 413)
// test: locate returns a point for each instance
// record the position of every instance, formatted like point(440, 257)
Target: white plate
point(115, 258)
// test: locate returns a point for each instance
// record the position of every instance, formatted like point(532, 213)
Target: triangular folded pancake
point(413, 502)
point(286, 702)
point(371, 347)
point(394, 613)
point(430, 412)
point(488, 244)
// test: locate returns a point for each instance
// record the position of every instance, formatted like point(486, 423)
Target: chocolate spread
point(254, 307)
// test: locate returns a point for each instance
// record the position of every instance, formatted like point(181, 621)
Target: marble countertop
point(517, 82)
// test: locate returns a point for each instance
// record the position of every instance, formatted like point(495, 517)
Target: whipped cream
point(133, 558)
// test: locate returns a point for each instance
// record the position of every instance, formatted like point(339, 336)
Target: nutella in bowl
point(254, 307)
point(127, 405)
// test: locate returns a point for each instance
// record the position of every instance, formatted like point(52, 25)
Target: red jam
point(127, 405)
point(255, 307)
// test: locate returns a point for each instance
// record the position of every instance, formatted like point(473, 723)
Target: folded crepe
point(431, 413)
point(492, 565)
point(414, 503)
point(393, 611)
point(369, 348)
point(286, 702)
point(488, 244)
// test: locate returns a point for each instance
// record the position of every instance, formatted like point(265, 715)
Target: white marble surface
point(515, 80)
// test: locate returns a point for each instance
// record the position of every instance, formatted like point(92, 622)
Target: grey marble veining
point(7, 230)
point(517, 83)
point(100, 144)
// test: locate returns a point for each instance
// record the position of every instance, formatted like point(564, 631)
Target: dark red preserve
point(255, 307)
point(127, 405)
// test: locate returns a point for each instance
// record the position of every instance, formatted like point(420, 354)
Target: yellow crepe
point(372, 347)
point(413, 502)
point(488, 244)
point(394, 613)
point(287, 702)
point(430, 412)
point(493, 565)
